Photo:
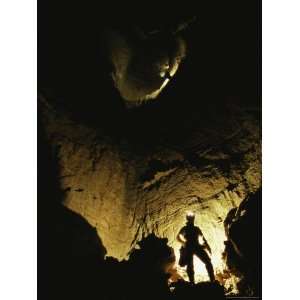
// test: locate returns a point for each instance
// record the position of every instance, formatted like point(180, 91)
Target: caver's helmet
point(190, 216)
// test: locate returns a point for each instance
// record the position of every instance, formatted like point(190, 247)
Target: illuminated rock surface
point(128, 189)
point(144, 60)
point(161, 54)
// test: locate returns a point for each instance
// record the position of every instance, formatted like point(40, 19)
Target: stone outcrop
point(243, 247)
point(129, 54)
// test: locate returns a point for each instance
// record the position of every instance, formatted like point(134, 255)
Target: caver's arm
point(204, 243)
point(180, 237)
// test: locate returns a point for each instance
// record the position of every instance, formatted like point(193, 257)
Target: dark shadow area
point(205, 290)
point(145, 275)
point(243, 248)
point(223, 54)
point(70, 252)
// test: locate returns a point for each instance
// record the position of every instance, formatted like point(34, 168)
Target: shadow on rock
point(145, 275)
point(70, 252)
point(243, 247)
point(147, 272)
point(205, 290)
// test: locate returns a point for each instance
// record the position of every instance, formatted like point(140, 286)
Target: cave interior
point(124, 152)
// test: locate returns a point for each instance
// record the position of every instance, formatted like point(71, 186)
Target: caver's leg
point(190, 269)
point(206, 260)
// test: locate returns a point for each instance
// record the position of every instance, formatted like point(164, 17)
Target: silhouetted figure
point(189, 237)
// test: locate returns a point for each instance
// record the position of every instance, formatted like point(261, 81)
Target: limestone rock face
point(127, 189)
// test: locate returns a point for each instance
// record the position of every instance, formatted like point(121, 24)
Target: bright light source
point(190, 214)
point(215, 237)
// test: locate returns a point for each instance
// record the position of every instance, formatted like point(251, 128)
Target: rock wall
point(128, 190)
